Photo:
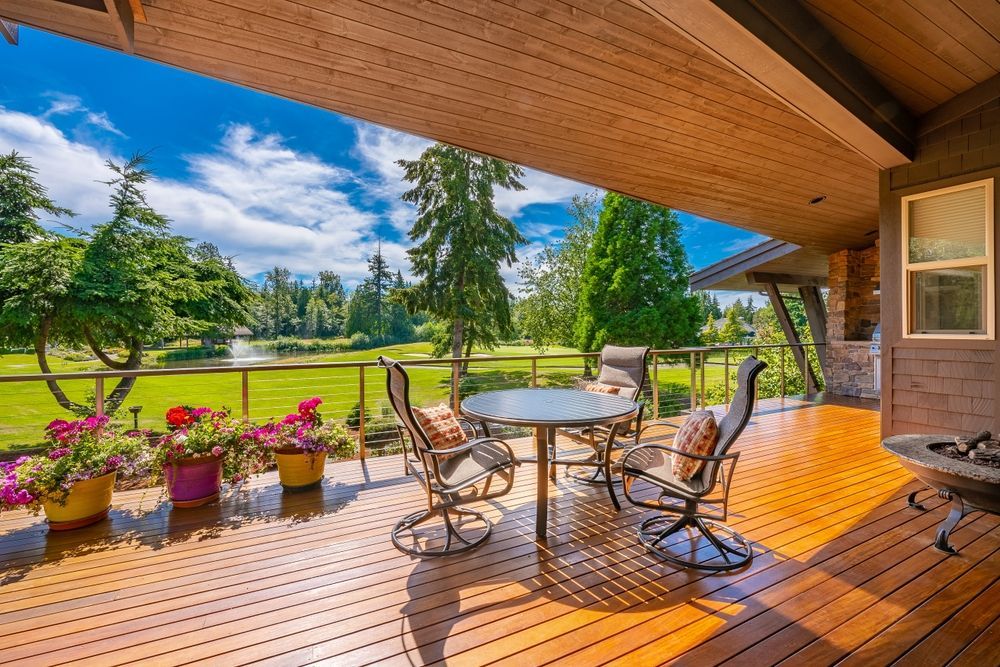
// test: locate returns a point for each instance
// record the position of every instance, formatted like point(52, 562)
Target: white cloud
point(62, 104)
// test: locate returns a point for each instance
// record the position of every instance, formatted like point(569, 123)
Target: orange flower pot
point(88, 502)
point(298, 469)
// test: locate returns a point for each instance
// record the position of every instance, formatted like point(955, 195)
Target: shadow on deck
point(843, 569)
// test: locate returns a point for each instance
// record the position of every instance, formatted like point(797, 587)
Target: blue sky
point(269, 180)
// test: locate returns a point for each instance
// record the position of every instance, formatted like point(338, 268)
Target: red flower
point(179, 416)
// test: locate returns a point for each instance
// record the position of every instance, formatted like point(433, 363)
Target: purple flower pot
point(194, 481)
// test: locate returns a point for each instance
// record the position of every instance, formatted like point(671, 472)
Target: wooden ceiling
point(595, 90)
point(924, 51)
point(787, 265)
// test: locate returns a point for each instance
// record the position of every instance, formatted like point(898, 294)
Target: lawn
point(27, 407)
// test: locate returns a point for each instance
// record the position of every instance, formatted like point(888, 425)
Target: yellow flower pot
point(88, 502)
point(298, 469)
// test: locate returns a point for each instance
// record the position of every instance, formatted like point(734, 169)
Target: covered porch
point(843, 570)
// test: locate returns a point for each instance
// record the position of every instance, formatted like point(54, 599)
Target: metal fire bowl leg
point(948, 525)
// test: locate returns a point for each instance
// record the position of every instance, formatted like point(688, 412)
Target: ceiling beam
point(9, 31)
point(781, 47)
point(123, 20)
point(787, 279)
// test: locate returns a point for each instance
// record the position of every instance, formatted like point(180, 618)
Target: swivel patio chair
point(625, 369)
point(448, 476)
point(682, 504)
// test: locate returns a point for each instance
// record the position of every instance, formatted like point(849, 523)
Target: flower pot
point(193, 481)
point(88, 502)
point(298, 469)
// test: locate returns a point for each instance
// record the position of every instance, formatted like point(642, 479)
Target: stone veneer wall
point(852, 313)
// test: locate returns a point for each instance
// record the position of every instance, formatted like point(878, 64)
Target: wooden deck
point(844, 571)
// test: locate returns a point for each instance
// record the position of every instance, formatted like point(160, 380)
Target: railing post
point(99, 396)
point(702, 354)
point(727, 375)
point(534, 372)
point(656, 387)
point(361, 414)
point(245, 394)
point(782, 371)
point(694, 385)
point(455, 367)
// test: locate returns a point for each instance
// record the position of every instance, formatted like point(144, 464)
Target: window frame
point(988, 261)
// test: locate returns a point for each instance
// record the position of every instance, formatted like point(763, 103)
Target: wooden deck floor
point(844, 571)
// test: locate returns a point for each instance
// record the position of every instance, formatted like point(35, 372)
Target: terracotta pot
point(88, 502)
point(298, 469)
point(193, 481)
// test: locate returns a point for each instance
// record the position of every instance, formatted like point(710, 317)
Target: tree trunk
point(468, 353)
point(117, 396)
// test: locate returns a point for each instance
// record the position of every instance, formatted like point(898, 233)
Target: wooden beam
point(787, 279)
point(123, 21)
point(785, 50)
point(816, 314)
point(9, 31)
point(961, 105)
point(788, 327)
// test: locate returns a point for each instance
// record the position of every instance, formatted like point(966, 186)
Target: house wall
point(852, 313)
point(934, 386)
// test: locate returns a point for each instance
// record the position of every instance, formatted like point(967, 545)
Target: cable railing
point(353, 392)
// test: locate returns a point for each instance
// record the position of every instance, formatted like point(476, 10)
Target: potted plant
point(301, 443)
point(74, 479)
point(203, 448)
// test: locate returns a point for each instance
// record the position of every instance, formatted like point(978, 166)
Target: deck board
point(843, 570)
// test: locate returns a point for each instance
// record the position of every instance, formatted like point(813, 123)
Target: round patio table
point(545, 410)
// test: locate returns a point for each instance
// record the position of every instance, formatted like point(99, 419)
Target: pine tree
point(635, 284)
point(21, 199)
point(462, 240)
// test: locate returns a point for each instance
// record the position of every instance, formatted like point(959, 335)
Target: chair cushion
point(601, 388)
point(698, 435)
point(656, 467)
point(485, 457)
point(441, 427)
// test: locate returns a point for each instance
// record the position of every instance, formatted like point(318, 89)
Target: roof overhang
point(784, 264)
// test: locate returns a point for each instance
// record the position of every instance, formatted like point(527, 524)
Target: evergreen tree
point(462, 240)
point(548, 310)
point(370, 311)
point(710, 336)
point(21, 199)
point(635, 283)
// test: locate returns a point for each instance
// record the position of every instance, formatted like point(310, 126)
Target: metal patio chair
point(682, 503)
point(623, 367)
point(448, 476)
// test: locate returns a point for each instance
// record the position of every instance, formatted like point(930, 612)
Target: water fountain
point(243, 353)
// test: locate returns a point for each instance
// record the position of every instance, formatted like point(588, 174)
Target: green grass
point(25, 408)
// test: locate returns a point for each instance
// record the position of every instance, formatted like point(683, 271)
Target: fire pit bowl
point(968, 486)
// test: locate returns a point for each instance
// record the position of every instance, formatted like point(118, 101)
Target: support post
point(534, 372)
point(8, 30)
point(245, 394)
point(361, 413)
point(99, 396)
point(455, 370)
point(727, 375)
point(656, 388)
point(694, 385)
point(812, 299)
point(788, 327)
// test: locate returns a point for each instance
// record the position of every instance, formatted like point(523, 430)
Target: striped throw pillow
point(698, 435)
point(441, 427)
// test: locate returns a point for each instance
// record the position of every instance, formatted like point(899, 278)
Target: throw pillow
point(441, 427)
point(600, 388)
point(697, 435)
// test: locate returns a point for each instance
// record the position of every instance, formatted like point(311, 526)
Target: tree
point(277, 314)
point(733, 331)
point(710, 336)
point(371, 312)
point(462, 240)
point(548, 310)
point(708, 304)
point(635, 283)
point(125, 282)
point(21, 198)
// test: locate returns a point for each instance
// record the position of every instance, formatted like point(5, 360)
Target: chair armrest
point(478, 430)
point(472, 444)
point(673, 450)
point(657, 422)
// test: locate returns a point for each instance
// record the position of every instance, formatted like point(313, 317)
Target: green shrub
point(361, 341)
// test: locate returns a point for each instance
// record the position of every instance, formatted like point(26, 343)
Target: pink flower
point(198, 412)
point(310, 405)
point(216, 451)
point(57, 454)
point(291, 419)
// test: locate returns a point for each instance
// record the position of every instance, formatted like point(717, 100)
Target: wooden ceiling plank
point(784, 49)
point(961, 105)
point(9, 31)
point(123, 21)
point(693, 150)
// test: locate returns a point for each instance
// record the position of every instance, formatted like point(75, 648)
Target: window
point(948, 262)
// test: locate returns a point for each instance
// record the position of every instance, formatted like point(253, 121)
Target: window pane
point(948, 226)
point(949, 301)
